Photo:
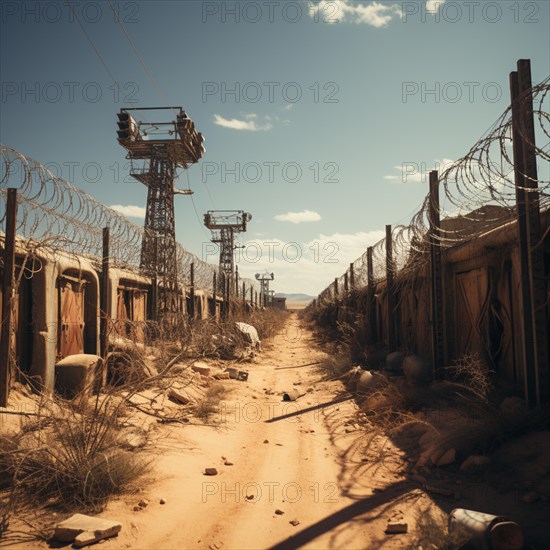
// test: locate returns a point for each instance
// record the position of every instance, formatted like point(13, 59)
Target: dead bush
point(335, 366)
point(473, 374)
point(212, 338)
point(74, 460)
point(268, 322)
point(209, 405)
point(433, 533)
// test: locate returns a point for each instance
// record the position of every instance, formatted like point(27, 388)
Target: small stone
point(448, 457)
point(396, 527)
point(179, 396)
point(266, 441)
point(279, 444)
point(228, 463)
point(249, 497)
point(162, 501)
point(279, 512)
point(136, 440)
point(294, 522)
point(310, 390)
point(143, 503)
point(86, 529)
point(201, 368)
point(210, 472)
point(137, 508)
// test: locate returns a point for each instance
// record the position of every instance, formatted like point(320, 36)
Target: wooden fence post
point(192, 291)
point(105, 302)
point(214, 289)
point(438, 332)
point(371, 298)
point(390, 288)
point(8, 296)
point(533, 286)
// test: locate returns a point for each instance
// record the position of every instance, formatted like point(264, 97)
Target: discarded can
point(293, 394)
point(487, 532)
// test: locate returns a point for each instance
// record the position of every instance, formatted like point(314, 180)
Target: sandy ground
point(286, 456)
point(308, 462)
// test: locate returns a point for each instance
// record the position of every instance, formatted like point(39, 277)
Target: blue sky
point(330, 101)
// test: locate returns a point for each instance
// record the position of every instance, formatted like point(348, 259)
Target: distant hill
point(294, 297)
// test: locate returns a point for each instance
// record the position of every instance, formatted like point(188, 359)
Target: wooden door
point(71, 317)
point(471, 294)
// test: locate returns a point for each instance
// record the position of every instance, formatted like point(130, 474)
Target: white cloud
point(304, 266)
point(374, 14)
point(298, 217)
point(130, 210)
point(432, 6)
point(235, 124)
point(414, 172)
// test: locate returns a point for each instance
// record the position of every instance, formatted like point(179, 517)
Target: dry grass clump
point(432, 533)
point(473, 373)
point(219, 338)
point(72, 459)
point(210, 404)
point(267, 322)
point(211, 338)
point(335, 366)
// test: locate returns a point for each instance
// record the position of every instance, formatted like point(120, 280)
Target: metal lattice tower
point(224, 224)
point(163, 147)
point(265, 293)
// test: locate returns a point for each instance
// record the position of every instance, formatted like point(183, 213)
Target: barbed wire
point(478, 193)
point(54, 213)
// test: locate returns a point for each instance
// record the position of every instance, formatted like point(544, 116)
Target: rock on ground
point(85, 530)
point(250, 335)
point(201, 368)
point(394, 361)
point(416, 370)
point(179, 396)
point(396, 527)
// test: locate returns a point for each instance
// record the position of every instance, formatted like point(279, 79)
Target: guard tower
point(224, 224)
point(156, 150)
point(265, 293)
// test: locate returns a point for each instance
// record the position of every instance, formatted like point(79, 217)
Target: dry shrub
point(73, 459)
point(432, 533)
point(212, 338)
point(211, 401)
point(220, 338)
point(473, 374)
point(267, 322)
point(335, 366)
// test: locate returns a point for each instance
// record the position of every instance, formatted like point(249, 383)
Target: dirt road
point(303, 459)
